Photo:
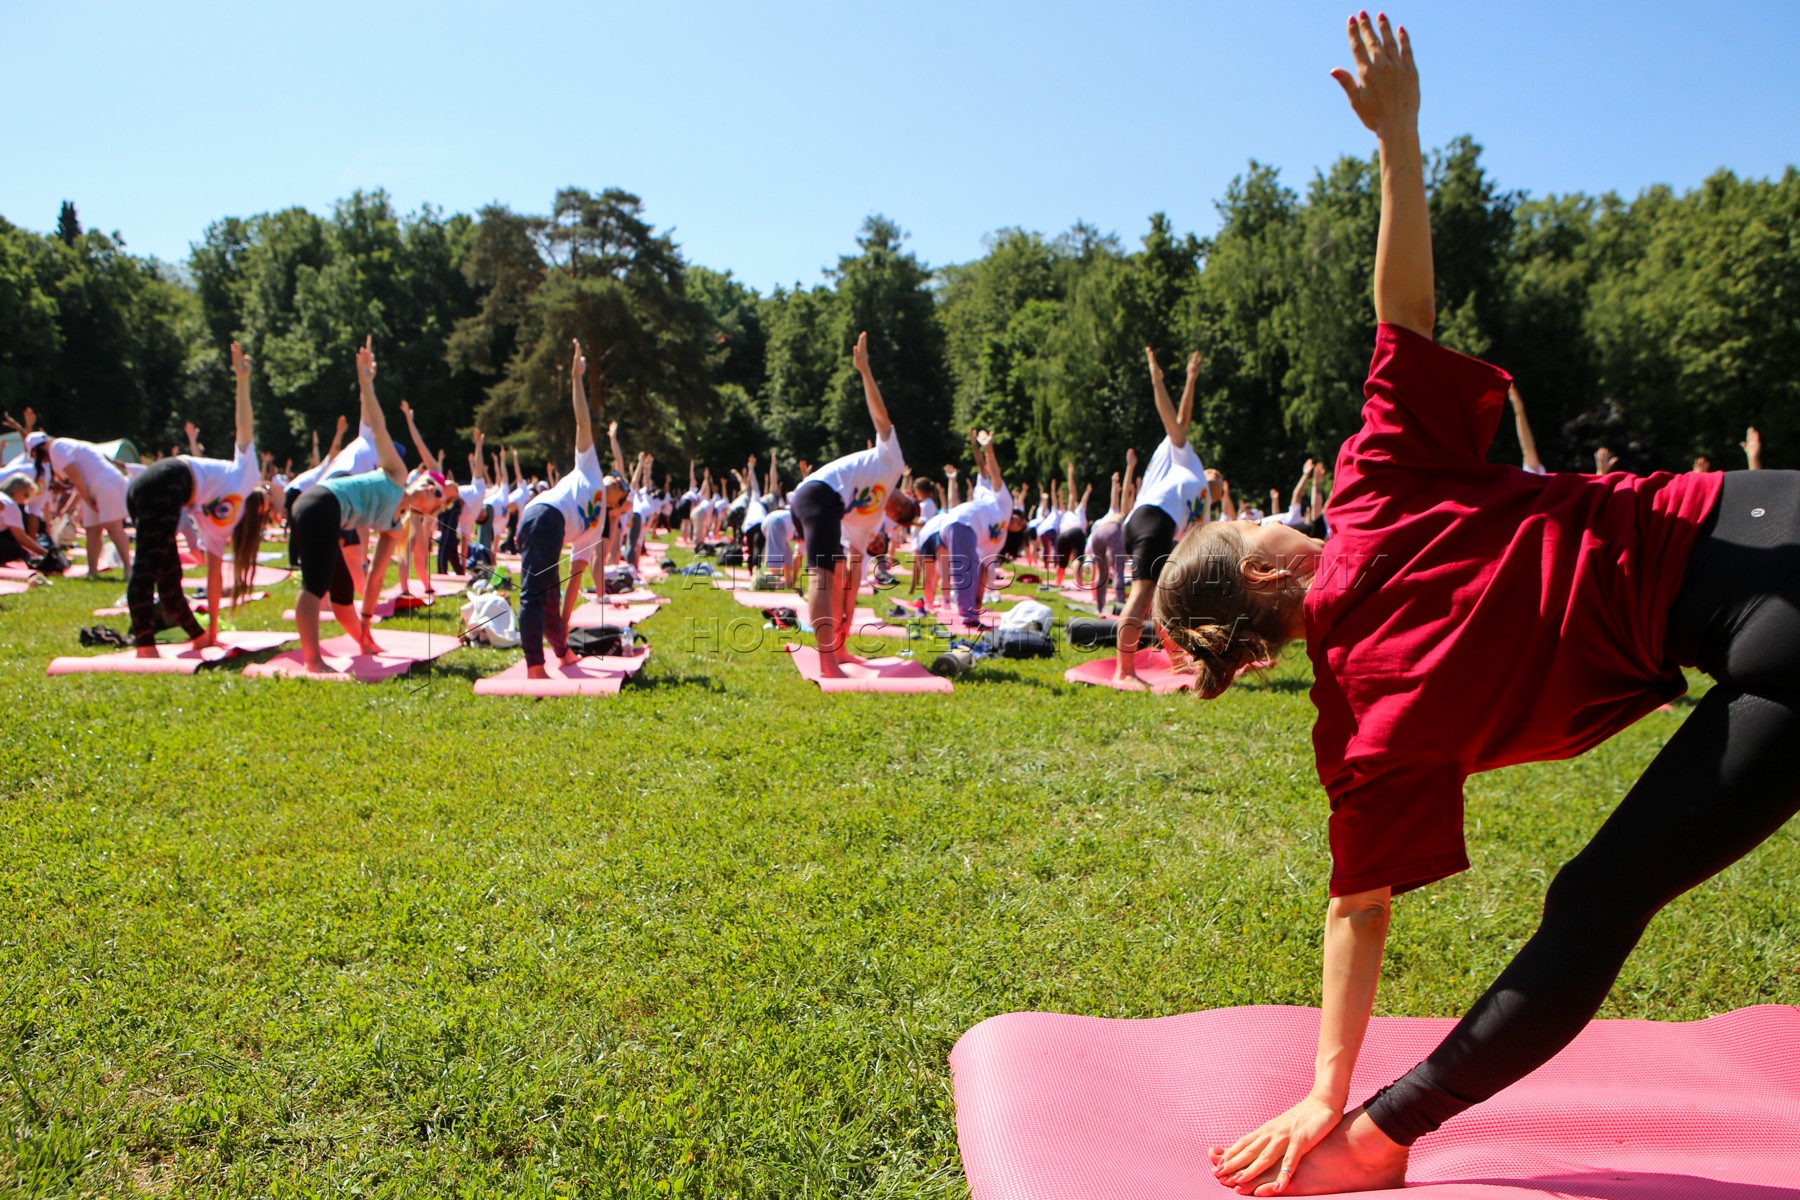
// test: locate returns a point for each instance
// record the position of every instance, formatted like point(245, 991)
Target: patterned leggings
point(154, 501)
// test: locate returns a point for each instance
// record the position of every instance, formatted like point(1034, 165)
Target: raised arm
point(337, 440)
point(431, 461)
point(478, 460)
point(385, 455)
point(951, 499)
point(774, 488)
point(1130, 493)
point(1527, 444)
point(1117, 493)
point(612, 436)
point(1306, 477)
point(986, 441)
point(584, 423)
point(878, 412)
point(246, 419)
point(1175, 422)
point(1384, 93)
point(193, 437)
point(1752, 448)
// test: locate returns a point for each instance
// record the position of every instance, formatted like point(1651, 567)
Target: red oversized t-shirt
point(1468, 616)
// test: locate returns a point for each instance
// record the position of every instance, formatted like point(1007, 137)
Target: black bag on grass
point(603, 640)
point(731, 556)
point(1019, 643)
point(620, 580)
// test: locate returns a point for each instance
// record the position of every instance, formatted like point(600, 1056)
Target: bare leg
point(306, 620)
point(357, 563)
point(1131, 624)
point(821, 612)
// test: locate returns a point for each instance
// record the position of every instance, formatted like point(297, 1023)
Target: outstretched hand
point(860, 355)
point(984, 439)
point(1155, 367)
point(1384, 92)
point(1193, 367)
point(240, 362)
point(578, 368)
point(343, 424)
point(365, 361)
point(405, 409)
point(1130, 456)
point(612, 429)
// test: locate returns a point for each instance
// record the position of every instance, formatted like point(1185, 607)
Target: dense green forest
point(1659, 326)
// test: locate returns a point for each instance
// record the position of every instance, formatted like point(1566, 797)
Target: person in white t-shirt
point(1172, 496)
point(1071, 527)
point(583, 503)
point(99, 484)
point(837, 508)
point(17, 487)
point(225, 505)
point(929, 555)
point(1106, 540)
point(975, 531)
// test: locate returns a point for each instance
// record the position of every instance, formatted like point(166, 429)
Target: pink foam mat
point(172, 658)
point(902, 675)
point(599, 675)
point(443, 585)
point(591, 615)
point(636, 596)
point(197, 603)
point(19, 573)
point(1153, 667)
point(13, 587)
point(1054, 1107)
point(261, 576)
point(401, 650)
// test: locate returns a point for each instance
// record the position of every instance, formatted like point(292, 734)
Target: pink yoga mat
point(637, 596)
point(261, 576)
point(870, 674)
point(19, 573)
point(198, 603)
point(1152, 667)
point(13, 587)
point(171, 658)
point(760, 600)
point(599, 675)
point(400, 651)
point(592, 615)
point(443, 585)
point(1052, 1107)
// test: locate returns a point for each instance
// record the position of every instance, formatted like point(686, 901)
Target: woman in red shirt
point(1467, 616)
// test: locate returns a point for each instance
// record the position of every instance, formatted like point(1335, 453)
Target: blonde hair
point(1214, 621)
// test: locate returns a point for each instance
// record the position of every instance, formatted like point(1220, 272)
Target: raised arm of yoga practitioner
point(1528, 451)
point(422, 499)
point(1384, 93)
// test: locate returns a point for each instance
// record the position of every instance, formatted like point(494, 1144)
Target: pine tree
point(68, 225)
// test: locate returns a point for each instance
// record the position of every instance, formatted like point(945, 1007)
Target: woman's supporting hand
point(1283, 1140)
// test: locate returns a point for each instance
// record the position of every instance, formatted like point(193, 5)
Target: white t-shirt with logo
point(219, 490)
point(987, 512)
point(863, 481)
point(1176, 483)
point(575, 496)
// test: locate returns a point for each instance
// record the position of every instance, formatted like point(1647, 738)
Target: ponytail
point(1213, 623)
point(246, 541)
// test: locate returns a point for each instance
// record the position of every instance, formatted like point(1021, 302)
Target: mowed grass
point(714, 936)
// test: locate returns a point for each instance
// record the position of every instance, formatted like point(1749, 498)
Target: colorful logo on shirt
point(993, 533)
point(1197, 507)
point(866, 502)
point(591, 512)
point(224, 511)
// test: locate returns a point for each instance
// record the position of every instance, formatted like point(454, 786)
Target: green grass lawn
point(713, 936)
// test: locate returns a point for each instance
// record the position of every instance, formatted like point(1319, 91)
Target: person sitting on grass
point(1172, 495)
point(1469, 615)
point(225, 505)
point(17, 487)
point(837, 509)
point(381, 500)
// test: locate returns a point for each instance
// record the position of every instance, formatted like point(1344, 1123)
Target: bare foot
point(146, 651)
point(1354, 1157)
point(829, 669)
point(536, 673)
point(1129, 681)
point(317, 667)
point(568, 658)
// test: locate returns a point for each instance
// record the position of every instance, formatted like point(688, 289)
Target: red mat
point(401, 650)
point(260, 576)
point(1153, 668)
point(599, 675)
point(1052, 1107)
point(870, 674)
point(198, 604)
point(592, 615)
point(172, 658)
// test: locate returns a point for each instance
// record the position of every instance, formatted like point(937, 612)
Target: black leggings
point(1721, 786)
point(540, 583)
point(819, 512)
point(154, 502)
point(316, 546)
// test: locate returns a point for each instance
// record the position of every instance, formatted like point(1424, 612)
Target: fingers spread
point(1345, 81)
point(1358, 51)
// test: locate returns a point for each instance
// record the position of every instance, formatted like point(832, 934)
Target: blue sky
point(764, 133)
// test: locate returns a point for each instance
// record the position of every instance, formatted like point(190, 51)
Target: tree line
point(1659, 327)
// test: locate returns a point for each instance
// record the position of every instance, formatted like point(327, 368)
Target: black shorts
point(316, 546)
point(1070, 544)
point(819, 512)
point(1149, 540)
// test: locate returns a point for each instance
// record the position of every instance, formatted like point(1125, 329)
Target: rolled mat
point(870, 674)
point(172, 658)
point(599, 675)
point(1153, 668)
point(400, 652)
point(1054, 1107)
point(592, 615)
